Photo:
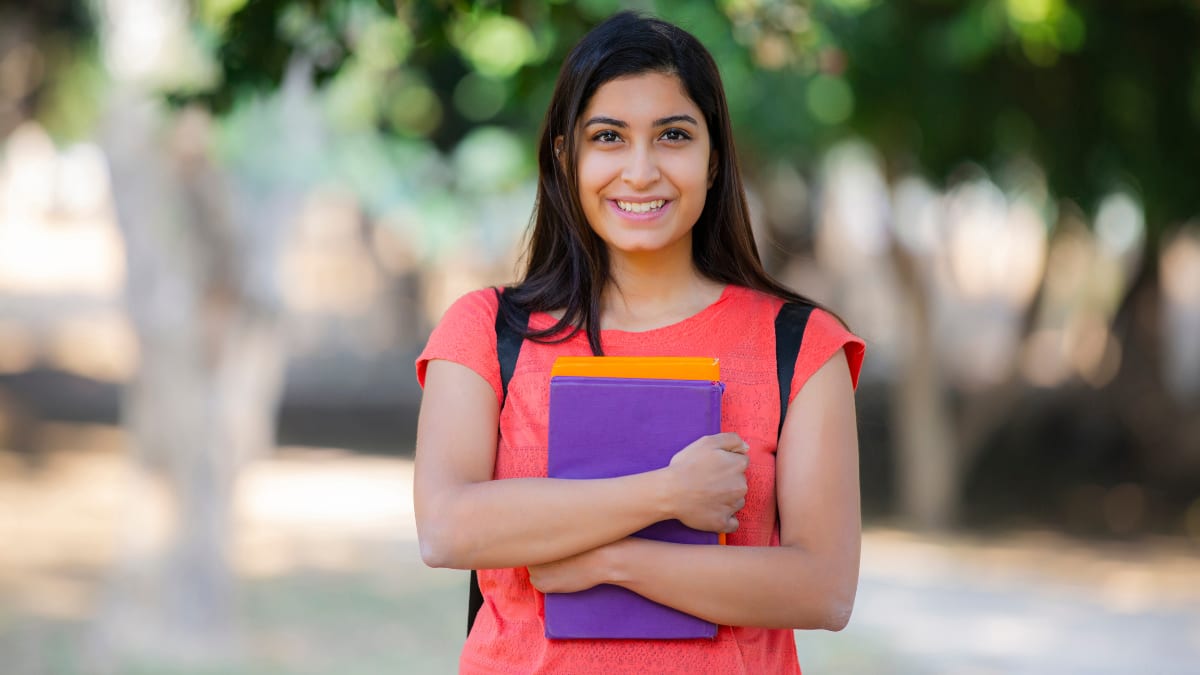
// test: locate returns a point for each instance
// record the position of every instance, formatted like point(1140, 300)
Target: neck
point(652, 290)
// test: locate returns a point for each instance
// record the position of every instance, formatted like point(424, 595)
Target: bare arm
point(469, 521)
point(809, 581)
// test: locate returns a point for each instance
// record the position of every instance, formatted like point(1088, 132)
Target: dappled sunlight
point(302, 509)
point(324, 549)
point(1146, 574)
point(973, 254)
point(854, 220)
point(852, 242)
point(994, 253)
point(1087, 274)
point(150, 43)
point(328, 489)
point(1024, 602)
point(998, 248)
point(316, 508)
point(940, 599)
point(57, 234)
point(982, 256)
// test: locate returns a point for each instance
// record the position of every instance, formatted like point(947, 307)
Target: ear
point(713, 163)
point(558, 148)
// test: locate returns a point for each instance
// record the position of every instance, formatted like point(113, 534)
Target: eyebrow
point(662, 121)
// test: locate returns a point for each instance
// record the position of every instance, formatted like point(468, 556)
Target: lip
point(641, 217)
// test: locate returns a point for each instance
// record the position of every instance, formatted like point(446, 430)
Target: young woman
point(641, 246)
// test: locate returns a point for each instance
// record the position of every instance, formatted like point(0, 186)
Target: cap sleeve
point(823, 337)
point(466, 335)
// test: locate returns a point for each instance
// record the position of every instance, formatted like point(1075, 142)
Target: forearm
point(468, 521)
point(775, 587)
point(527, 521)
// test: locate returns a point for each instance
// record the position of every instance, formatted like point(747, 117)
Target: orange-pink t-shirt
point(509, 632)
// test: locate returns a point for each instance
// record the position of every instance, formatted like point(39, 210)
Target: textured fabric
point(738, 329)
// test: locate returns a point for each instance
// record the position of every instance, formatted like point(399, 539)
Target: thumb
point(731, 442)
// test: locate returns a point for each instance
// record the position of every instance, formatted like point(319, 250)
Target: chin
point(640, 247)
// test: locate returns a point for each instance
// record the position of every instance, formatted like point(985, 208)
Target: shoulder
point(764, 306)
point(752, 302)
point(466, 334)
point(824, 336)
point(477, 305)
point(823, 333)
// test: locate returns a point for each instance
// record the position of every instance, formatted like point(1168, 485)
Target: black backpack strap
point(508, 339)
point(474, 601)
point(508, 348)
point(789, 332)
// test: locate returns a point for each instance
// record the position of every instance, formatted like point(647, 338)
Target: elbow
point(434, 553)
point(839, 606)
point(443, 536)
point(438, 546)
point(837, 616)
point(830, 616)
point(829, 611)
point(837, 602)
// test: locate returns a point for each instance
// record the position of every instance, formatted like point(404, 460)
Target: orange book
point(645, 367)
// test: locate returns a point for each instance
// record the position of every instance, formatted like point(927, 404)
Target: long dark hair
point(567, 264)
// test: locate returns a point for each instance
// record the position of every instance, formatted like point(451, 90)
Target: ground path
point(330, 575)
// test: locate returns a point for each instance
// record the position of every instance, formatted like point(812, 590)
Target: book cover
point(603, 427)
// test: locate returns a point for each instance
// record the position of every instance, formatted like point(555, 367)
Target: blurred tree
point(203, 239)
point(1103, 96)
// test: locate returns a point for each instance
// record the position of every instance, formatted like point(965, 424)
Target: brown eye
point(606, 136)
point(676, 135)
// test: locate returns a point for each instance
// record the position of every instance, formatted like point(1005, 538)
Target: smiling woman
point(644, 166)
point(641, 246)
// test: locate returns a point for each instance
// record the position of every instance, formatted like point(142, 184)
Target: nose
point(641, 169)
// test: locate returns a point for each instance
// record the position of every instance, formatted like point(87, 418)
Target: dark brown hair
point(567, 264)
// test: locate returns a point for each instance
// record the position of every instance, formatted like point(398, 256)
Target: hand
point(707, 482)
point(576, 573)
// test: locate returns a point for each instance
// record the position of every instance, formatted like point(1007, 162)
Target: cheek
point(594, 172)
point(690, 172)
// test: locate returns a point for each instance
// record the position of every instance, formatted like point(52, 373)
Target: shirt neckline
point(544, 320)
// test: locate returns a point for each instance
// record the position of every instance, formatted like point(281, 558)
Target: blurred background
point(227, 227)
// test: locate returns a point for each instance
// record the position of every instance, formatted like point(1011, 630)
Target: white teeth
point(641, 207)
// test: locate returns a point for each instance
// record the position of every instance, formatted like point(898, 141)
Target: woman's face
point(644, 163)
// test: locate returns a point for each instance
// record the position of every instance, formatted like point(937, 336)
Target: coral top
point(509, 632)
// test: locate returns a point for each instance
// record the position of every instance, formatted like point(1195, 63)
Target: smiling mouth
point(641, 207)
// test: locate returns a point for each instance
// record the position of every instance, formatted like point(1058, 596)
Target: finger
point(741, 504)
point(731, 442)
point(727, 440)
point(731, 525)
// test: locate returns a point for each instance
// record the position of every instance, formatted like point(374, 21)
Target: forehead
point(642, 98)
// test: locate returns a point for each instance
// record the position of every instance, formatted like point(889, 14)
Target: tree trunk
point(929, 470)
point(209, 381)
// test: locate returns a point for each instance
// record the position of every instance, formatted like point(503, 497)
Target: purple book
point(602, 427)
